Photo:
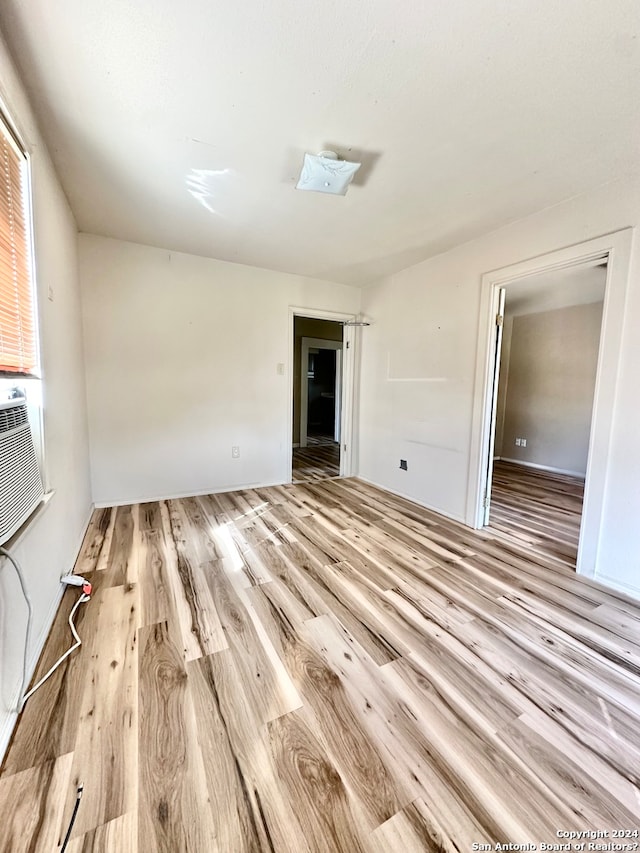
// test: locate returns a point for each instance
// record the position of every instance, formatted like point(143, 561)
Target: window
point(18, 340)
point(19, 351)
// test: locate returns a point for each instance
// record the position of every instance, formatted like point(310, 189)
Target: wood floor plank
point(123, 558)
point(120, 834)
point(608, 801)
point(316, 789)
point(333, 716)
point(495, 778)
point(394, 728)
point(267, 818)
point(153, 586)
point(414, 830)
point(173, 804)
point(105, 757)
point(251, 658)
point(574, 705)
point(197, 620)
point(104, 558)
point(95, 540)
point(353, 612)
point(238, 817)
point(618, 622)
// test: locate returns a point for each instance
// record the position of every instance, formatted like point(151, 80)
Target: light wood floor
point(326, 667)
point(318, 461)
point(541, 509)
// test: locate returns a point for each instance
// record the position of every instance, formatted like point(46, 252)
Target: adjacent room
point(549, 344)
point(317, 398)
point(319, 370)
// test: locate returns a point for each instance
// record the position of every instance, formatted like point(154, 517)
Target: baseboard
point(612, 583)
point(548, 468)
point(9, 724)
point(177, 496)
point(435, 509)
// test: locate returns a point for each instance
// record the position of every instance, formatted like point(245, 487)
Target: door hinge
point(485, 501)
point(499, 319)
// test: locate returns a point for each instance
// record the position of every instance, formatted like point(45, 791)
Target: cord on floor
point(27, 639)
point(73, 818)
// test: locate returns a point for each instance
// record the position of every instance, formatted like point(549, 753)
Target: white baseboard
point(435, 509)
point(9, 723)
point(612, 583)
point(548, 468)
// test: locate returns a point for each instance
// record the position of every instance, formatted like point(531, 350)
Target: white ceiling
point(183, 124)
point(578, 285)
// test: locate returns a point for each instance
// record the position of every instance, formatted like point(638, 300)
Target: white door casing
point(350, 342)
point(615, 249)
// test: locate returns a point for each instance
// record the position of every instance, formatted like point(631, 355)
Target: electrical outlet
point(518, 442)
point(403, 465)
point(280, 368)
point(523, 442)
point(235, 452)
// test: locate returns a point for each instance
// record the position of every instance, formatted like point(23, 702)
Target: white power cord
point(78, 642)
point(27, 638)
point(69, 580)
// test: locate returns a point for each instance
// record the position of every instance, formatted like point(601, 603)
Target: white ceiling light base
point(324, 173)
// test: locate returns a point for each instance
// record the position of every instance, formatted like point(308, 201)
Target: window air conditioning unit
point(21, 488)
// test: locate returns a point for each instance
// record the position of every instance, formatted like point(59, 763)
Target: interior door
point(494, 401)
point(338, 398)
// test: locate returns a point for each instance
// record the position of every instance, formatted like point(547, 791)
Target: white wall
point(418, 369)
point(181, 359)
point(48, 546)
point(551, 378)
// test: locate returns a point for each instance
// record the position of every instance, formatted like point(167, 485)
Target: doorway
point(318, 391)
point(547, 344)
point(614, 250)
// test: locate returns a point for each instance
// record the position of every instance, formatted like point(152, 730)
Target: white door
point(494, 401)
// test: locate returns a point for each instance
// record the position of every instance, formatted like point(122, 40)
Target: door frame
point(615, 248)
point(350, 340)
point(319, 343)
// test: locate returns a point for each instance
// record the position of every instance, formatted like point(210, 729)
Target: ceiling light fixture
point(324, 173)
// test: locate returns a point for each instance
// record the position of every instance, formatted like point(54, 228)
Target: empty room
point(319, 416)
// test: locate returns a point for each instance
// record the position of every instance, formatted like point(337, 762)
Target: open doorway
point(547, 346)
point(615, 249)
point(317, 398)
